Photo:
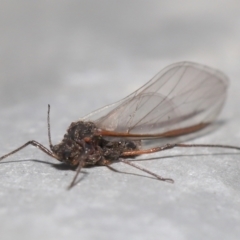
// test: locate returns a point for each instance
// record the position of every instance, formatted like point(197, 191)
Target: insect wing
point(182, 98)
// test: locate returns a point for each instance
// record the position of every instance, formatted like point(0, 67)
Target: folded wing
point(182, 98)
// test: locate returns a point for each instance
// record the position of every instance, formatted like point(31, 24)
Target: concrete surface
point(81, 55)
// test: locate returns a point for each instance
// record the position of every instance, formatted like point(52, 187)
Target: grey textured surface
point(81, 55)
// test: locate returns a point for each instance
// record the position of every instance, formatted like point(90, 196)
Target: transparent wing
point(182, 98)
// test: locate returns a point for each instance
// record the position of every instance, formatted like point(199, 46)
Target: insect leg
point(78, 170)
point(72, 184)
point(35, 144)
point(169, 146)
point(207, 145)
point(147, 171)
point(151, 150)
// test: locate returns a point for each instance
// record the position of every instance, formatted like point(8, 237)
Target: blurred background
point(79, 55)
point(58, 47)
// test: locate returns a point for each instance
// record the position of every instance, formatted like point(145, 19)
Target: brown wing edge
point(168, 134)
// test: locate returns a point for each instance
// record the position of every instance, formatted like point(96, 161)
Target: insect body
point(82, 139)
point(174, 106)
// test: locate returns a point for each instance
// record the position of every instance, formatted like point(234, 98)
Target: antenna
point(49, 133)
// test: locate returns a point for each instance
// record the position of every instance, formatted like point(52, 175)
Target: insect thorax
point(82, 141)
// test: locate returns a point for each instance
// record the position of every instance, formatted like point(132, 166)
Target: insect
point(172, 107)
